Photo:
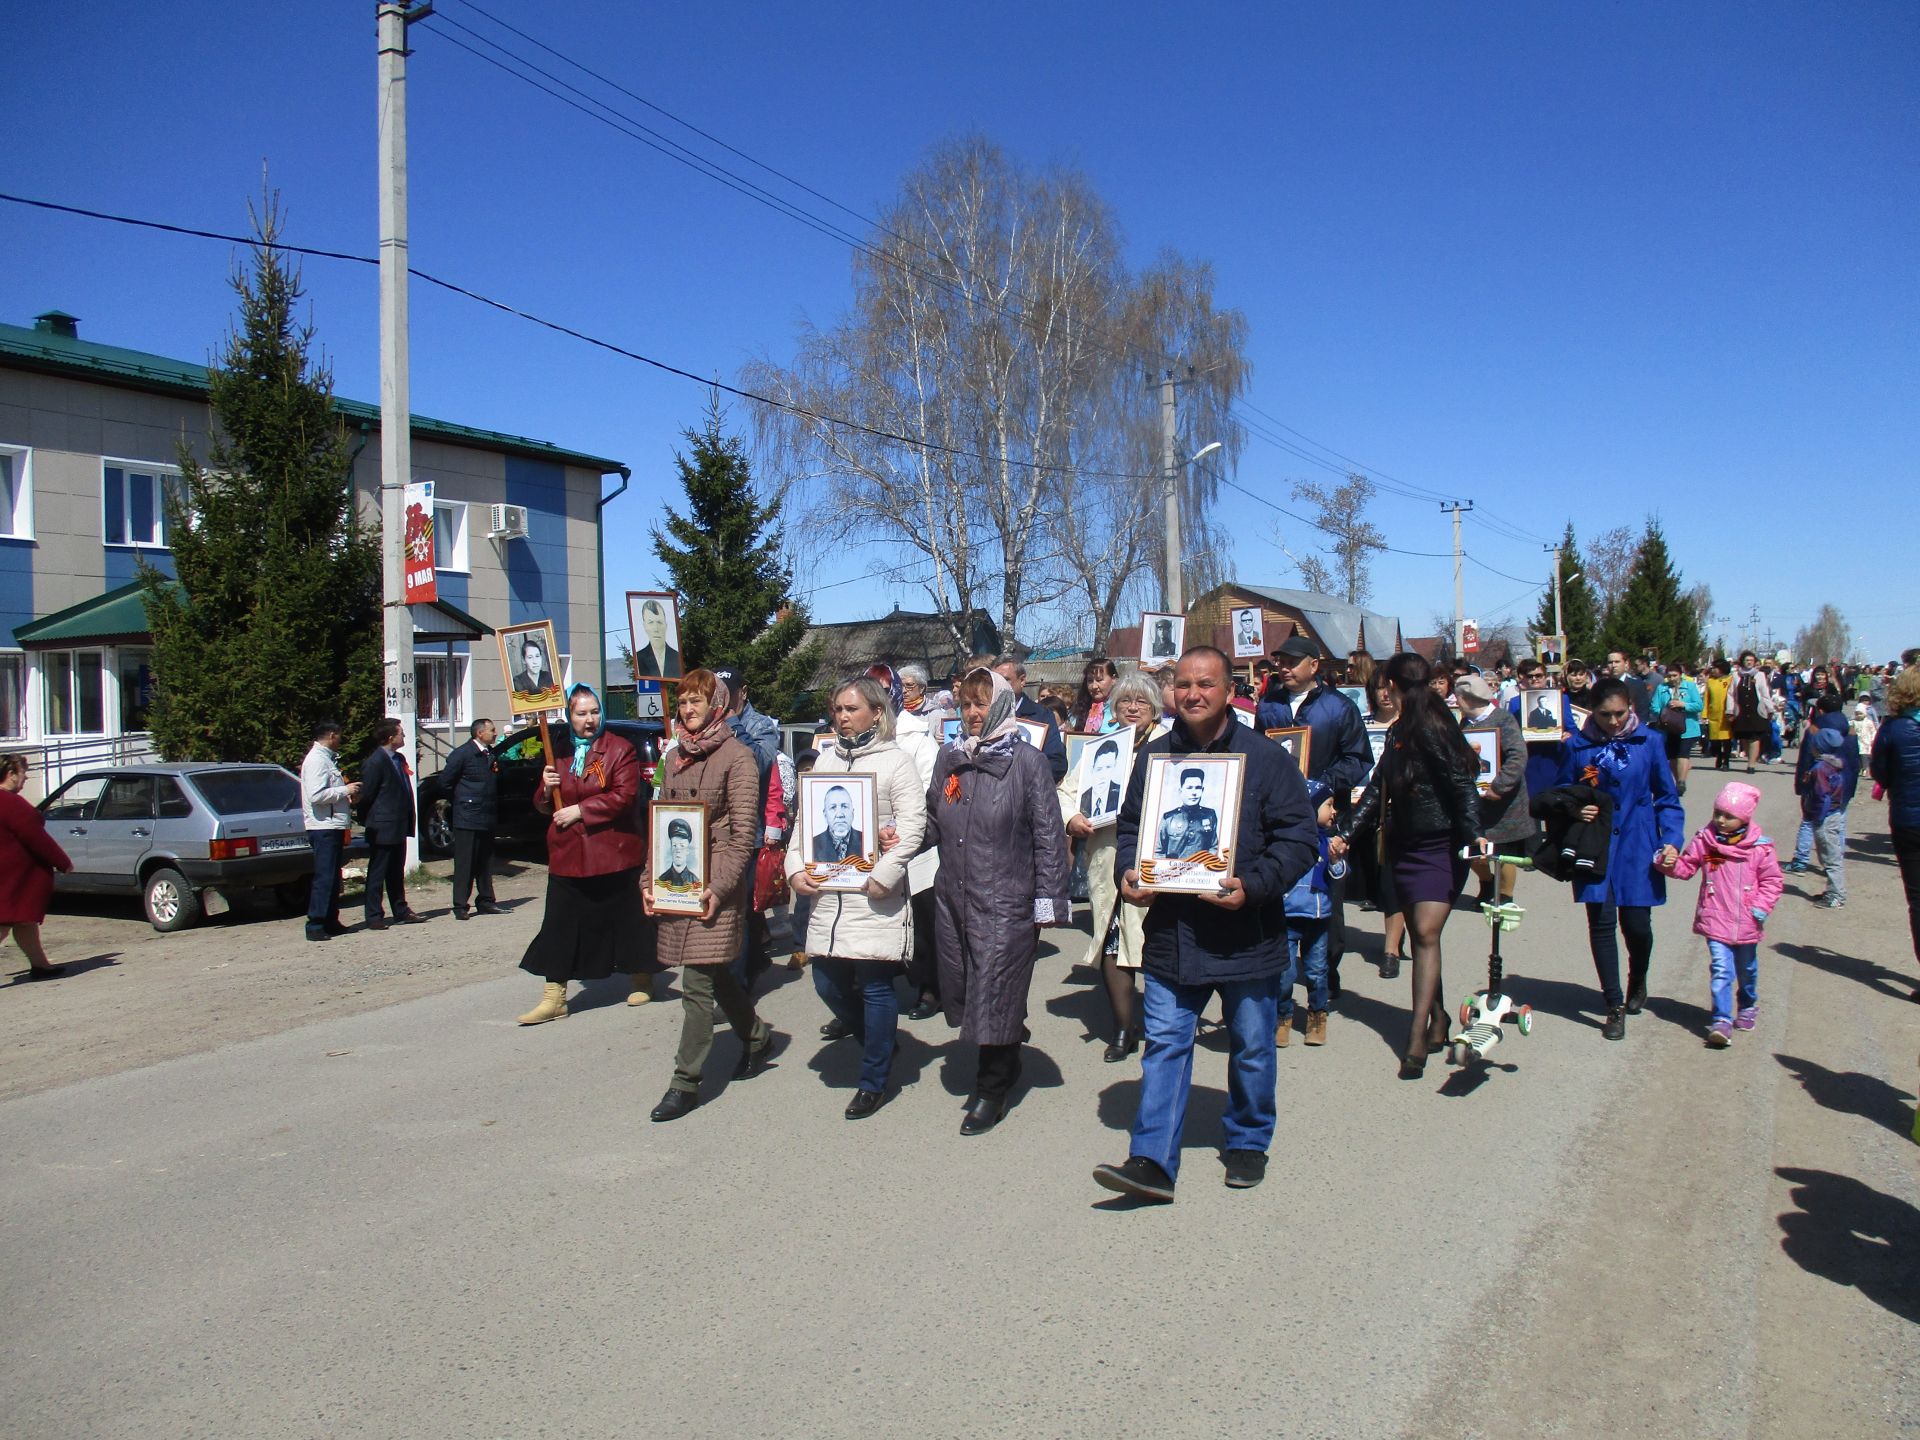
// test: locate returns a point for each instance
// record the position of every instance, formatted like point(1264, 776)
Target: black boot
point(1636, 991)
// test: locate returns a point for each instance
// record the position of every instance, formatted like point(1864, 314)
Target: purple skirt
point(1426, 868)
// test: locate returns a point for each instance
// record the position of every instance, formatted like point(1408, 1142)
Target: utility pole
point(396, 436)
point(1459, 582)
point(1559, 620)
point(1172, 598)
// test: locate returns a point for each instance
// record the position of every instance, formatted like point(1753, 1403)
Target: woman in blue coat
point(1615, 753)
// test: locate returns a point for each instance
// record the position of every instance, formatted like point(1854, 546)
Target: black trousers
point(386, 871)
point(1636, 922)
point(1906, 849)
point(999, 1071)
point(472, 867)
point(1337, 921)
point(924, 968)
point(323, 900)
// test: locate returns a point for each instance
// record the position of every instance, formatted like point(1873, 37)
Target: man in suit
point(680, 876)
point(655, 660)
point(535, 675)
point(839, 840)
point(470, 782)
point(1246, 639)
point(1101, 799)
point(1053, 748)
point(1193, 827)
point(386, 809)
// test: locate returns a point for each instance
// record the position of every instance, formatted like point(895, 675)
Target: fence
point(54, 762)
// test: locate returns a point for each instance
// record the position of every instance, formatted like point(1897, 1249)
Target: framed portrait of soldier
point(529, 658)
point(1377, 741)
point(1485, 740)
point(1249, 629)
point(1540, 714)
point(679, 864)
point(1076, 745)
point(1297, 741)
point(653, 623)
point(1189, 821)
point(949, 729)
point(1034, 732)
point(838, 839)
point(1100, 780)
point(1162, 637)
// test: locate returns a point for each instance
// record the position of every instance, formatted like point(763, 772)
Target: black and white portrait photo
point(1486, 744)
point(1105, 765)
point(1541, 714)
point(653, 618)
point(1162, 637)
point(679, 858)
point(529, 660)
point(1249, 633)
point(1189, 820)
point(837, 839)
point(1297, 741)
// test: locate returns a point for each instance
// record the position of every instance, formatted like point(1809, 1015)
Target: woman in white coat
point(860, 940)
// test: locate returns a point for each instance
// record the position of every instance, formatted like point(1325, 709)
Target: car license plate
point(283, 842)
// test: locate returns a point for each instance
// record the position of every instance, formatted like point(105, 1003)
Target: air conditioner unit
point(506, 522)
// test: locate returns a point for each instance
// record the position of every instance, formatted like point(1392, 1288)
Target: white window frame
point(19, 524)
point(109, 692)
point(459, 690)
point(159, 473)
point(16, 660)
point(456, 511)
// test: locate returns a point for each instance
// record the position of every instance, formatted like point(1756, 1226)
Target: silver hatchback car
point(183, 837)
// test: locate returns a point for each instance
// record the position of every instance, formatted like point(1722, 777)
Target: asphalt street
point(427, 1221)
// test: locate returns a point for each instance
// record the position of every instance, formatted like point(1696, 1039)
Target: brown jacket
point(727, 782)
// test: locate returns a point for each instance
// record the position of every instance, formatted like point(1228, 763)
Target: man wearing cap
point(680, 876)
point(1338, 753)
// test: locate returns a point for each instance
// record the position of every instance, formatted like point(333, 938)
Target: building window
point(76, 692)
point(133, 503)
point(136, 689)
point(449, 536)
point(439, 688)
point(16, 492)
point(13, 697)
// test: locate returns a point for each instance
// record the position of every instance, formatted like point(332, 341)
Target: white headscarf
point(999, 725)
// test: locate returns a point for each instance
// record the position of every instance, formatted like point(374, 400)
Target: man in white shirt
point(326, 799)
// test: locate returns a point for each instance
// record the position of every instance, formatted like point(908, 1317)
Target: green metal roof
point(117, 615)
point(49, 351)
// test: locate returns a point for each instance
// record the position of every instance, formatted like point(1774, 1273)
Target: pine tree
point(723, 558)
point(1653, 612)
point(276, 619)
point(1579, 607)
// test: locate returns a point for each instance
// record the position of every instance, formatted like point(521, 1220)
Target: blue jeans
point(860, 995)
point(323, 901)
point(1166, 1068)
point(1307, 943)
point(1727, 962)
point(1831, 841)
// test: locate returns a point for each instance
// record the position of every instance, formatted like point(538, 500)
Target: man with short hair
point(386, 802)
point(682, 876)
point(470, 781)
point(1231, 941)
point(1103, 796)
point(1622, 670)
point(839, 840)
point(1015, 675)
point(326, 800)
point(1192, 827)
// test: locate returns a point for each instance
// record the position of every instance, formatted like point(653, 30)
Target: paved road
point(425, 1221)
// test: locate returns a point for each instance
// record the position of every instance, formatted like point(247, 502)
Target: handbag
point(769, 878)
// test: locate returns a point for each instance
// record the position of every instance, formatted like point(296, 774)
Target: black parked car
point(519, 757)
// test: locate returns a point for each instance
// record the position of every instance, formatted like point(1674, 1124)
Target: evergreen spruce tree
point(1653, 612)
point(275, 622)
point(1579, 608)
point(723, 558)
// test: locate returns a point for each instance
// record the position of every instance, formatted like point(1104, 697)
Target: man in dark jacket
point(1233, 941)
point(1028, 709)
point(386, 809)
point(470, 781)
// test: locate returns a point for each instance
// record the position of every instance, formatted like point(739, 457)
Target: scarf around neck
point(690, 745)
point(583, 743)
point(999, 731)
point(852, 746)
point(1593, 732)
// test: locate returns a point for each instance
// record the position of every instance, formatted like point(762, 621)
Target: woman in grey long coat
point(1003, 874)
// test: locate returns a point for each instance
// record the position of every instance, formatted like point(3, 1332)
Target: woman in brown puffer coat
point(707, 766)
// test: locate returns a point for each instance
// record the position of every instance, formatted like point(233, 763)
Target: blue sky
point(1565, 260)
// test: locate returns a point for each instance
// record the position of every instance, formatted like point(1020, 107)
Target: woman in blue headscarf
point(596, 849)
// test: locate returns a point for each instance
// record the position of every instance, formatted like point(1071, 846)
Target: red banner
point(421, 583)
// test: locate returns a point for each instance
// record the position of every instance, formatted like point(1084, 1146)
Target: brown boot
point(1316, 1027)
point(1283, 1037)
point(552, 1006)
point(642, 989)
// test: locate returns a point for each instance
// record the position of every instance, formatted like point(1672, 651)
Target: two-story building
point(89, 444)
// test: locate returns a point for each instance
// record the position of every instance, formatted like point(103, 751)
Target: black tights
point(1121, 994)
point(1425, 920)
point(1636, 922)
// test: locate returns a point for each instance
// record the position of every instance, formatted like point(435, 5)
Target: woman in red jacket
point(28, 858)
point(595, 853)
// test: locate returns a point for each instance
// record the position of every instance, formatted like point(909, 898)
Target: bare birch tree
point(1342, 516)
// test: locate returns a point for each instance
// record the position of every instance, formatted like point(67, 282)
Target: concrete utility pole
point(1559, 620)
point(1172, 599)
point(396, 435)
point(1459, 583)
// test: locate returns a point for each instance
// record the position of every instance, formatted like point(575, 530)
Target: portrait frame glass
point(1552, 697)
point(1256, 648)
point(1164, 822)
point(1485, 740)
point(512, 639)
point(1076, 744)
point(827, 870)
point(950, 729)
point(638, 602)
point(673, 897)
point(1150, 657)
point(1084, 783)
point(1034, 732)
point(1297, 740)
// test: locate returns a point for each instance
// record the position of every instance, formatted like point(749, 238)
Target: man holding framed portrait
point(1211, 930)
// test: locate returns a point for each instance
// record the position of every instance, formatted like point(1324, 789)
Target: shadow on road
point(1562, 999)
point(1389, 1022)
point(1849, 967)
point(1855, 1236)
point(1853, 1093)
point(70, 969)
point(1205, 1107)
point(837, 1062)
point(1875, 849)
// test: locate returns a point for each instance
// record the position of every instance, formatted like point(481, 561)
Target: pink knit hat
point(1737, 800)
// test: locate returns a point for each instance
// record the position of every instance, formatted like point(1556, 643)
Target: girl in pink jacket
point(1740, 886)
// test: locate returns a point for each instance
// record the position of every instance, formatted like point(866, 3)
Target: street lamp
point(1173, 599)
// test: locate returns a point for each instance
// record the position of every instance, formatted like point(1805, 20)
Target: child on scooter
point(1741, 885)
